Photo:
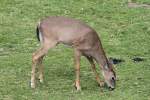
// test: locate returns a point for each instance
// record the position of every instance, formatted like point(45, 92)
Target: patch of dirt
point(136, 5)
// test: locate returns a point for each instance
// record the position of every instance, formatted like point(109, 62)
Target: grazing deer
point(82, 38)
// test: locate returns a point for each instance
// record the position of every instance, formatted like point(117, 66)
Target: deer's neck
point(101, 59)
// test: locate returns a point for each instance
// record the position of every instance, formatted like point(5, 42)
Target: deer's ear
point(111, 61)
point(112, 64)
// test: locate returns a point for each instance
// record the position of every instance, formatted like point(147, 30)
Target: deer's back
point(69, 31)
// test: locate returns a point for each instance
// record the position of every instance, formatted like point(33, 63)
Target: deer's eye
point(113, 78)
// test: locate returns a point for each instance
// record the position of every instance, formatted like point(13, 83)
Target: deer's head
point(109, 76)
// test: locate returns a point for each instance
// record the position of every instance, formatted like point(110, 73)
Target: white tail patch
point(40, 36)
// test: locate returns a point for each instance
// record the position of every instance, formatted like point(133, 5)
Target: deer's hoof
point(77, 86)
point(32, 85)
point(41, 80)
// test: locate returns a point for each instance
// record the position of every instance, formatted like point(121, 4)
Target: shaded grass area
point(124, 32)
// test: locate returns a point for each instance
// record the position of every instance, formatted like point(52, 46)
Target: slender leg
point(37, 59)
point(33, 72)
point(41, 69)
point(77, 55)
point(90, 59)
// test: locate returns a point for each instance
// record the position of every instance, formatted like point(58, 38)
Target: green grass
point(125, 34)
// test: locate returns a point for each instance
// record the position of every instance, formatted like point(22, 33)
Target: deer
point(84, 40)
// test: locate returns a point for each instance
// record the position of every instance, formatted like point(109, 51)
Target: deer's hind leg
point(41, 69)
point(37, 58)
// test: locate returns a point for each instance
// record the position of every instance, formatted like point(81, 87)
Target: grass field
point(125, 34)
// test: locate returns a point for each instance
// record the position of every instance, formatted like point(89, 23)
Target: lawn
point(125, 34)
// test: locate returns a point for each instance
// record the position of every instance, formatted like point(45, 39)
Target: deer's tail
point(39, 33)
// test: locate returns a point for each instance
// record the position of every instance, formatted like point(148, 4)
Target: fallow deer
point(82, 38)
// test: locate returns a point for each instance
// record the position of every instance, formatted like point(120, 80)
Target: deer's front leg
point(90, 59)
point(77, 55)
